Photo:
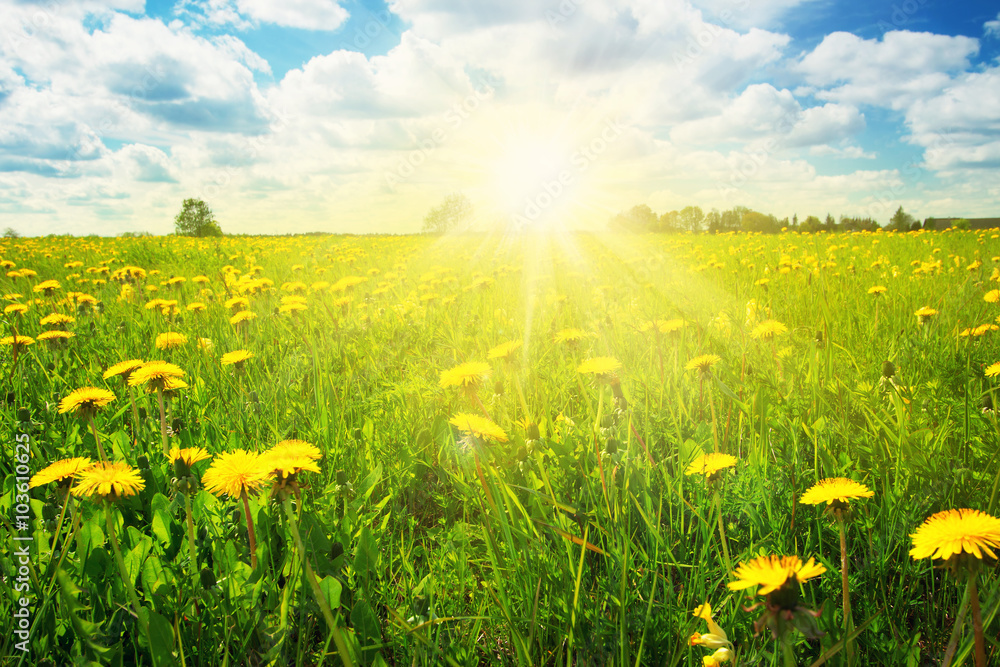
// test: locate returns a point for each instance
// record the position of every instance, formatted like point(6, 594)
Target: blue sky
point(359, 116)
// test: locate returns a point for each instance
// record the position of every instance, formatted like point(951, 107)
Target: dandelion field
point(492, 450)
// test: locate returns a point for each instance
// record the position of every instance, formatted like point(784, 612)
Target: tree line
point(642, 218)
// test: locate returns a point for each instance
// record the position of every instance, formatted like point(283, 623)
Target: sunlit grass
point(576, 538)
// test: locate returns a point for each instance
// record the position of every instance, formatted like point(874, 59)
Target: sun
point(532, 179)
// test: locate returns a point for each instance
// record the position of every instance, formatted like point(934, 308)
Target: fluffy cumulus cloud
point(109, 117)
point(893, 72)
point(246, 14)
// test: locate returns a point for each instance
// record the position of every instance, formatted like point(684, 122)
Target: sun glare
point(531, 181)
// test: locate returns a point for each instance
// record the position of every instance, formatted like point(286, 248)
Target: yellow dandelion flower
point(925, 313)
point(710, 464)
point(110, 481)
point(154, 373)
point(57, 319)
point(61, 471)
point(237, 302)
point(46, 287)
point(771, 573)
point(242, 317)
point(877, 290)
point(188, 456)
point(55, 335)
point(85, 399)
point(503, 350)
point(196, 307)
point(768, 329)
point(170, 340)
point(952, 532)
point(835, 491)
point(292, 308)
point(479, 427)
point(993, 296)
point(17, 342)
point(236, 357)
point(15, 309)
point(123, 368)
point(571, 336)
point(703, 363)
point(466, 376)
point(993, 370)
point(600, 366)
point(235, 473)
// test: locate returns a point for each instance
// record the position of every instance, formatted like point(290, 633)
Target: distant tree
point(713, 221)
point(196, 219)
point(811, 224)
point(795, 219)
point(754, 221)
point(691, 218)
point(639, 218)
point(670, 222)
point(961, 223)
point(732, 220)
point(930, 223)
point(11, 233)
point(901, 220)
point(829, 224)
point(454, 212)
point(849, 224)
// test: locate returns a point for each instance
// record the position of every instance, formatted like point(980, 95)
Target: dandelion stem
point(977, 621)
point(722, 532)
point(846, 590)
point(135, 419)
point(129, 586)
point(321, 600)
point(787, 652)
point(62, 515)
point(957, 630)
point(163, 422)
point(97, 438)
point(251, 536)
point(191, 547)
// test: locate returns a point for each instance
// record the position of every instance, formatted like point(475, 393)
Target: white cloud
point(744, 14)
point(763, 113)
point(901, 68)
point(849, 152)
point(306, 14)
point(246, 14)
point(959, 127)
point(992, 28)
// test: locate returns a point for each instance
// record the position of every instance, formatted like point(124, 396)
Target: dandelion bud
point(23, 415)
point(341, 477)
point(533, 433)
point(207, 579)
point(888, 369)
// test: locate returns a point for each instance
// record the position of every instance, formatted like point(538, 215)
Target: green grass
point(572, 548)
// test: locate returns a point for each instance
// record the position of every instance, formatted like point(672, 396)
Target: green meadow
point(509, 436)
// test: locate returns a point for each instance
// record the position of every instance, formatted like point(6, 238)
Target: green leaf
point(70, 607)
point(331, 589)
point(161, 526)
point(366, 626)
point(161, 634)
point(366, 555)
point(134, 558)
